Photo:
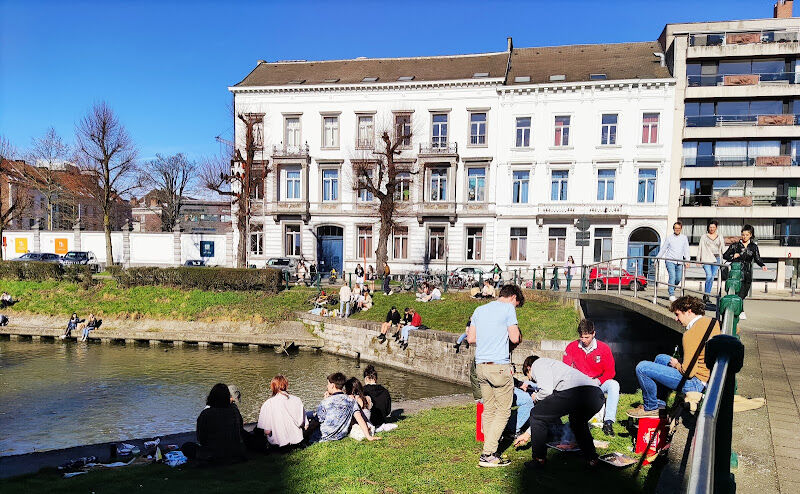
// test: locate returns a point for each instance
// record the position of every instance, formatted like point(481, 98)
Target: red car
point(600, 277)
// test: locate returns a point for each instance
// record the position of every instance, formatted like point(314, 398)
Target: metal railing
point(757, 78)
point(765, 119)
point(711, 160)
point(439, 147)
point(737, 38)
point(744, 200)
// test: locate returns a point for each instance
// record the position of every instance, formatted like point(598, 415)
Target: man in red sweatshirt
point(594, 358)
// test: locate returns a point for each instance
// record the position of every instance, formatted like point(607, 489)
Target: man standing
point(493, 327)
point(386, 277)
point(344, 300)
point(594, 358)
point(676, 246)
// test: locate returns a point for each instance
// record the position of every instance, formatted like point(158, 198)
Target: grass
point(433, 451)
point(539, 318)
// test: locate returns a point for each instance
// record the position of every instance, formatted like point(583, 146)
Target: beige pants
point(497, 389)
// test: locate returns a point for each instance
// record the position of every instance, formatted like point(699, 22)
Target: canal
point(55, 395)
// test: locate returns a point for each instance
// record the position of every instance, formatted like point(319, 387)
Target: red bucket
point(479, 422)
point(652, 437)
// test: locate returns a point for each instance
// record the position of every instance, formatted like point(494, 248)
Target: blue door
point(643, 242)
point(635, 250)
point(330, 248)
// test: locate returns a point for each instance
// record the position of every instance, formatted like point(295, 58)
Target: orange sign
point(21, 245)
point(61, 246)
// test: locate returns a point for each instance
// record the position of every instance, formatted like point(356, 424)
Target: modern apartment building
point(508, 150)
point(736, 140)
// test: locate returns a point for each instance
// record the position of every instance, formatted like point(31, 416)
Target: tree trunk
point(382, 252)
point(1, 239)
point(107, 228)
point(241, 250)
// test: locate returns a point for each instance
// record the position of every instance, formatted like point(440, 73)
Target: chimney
point(783, 9)
point(510, 44)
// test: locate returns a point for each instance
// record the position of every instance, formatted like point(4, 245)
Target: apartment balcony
point(438, 149)
point(280, 209)
point(757, 79)
point(747, 206)
point(291, 152)
point(744, 200)
point(761, 120)
point(437, 209)
point(575, 210)
point(741, 161)
point(740, 38)
point(764, 243)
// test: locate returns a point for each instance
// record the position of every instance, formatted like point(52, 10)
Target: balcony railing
point(439, 148)
point(745, 200)
point(573, 209)
point(762, 240)
point(709, 161)
point(365, 144)
point(744, 79)
point(743, 38)
point(283, 150)
point(761, 120)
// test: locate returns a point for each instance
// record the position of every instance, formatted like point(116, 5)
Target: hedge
point(201, 278)
point(41, 271)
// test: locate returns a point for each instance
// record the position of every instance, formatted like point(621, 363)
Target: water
point(55, 395)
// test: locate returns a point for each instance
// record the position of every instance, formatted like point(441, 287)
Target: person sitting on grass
point(365, 301)
point(218, 430)
point(335, 413)
point(72, 325)
point(354, 389)
point(657, 378)
point(380, 397)
point(423, 294)
point(562, 391)
point(416, 322)
point(487, 291)
point(6, 300)
point(282, 417)
point(392, 320)
point(594, 358)
point(522, 399)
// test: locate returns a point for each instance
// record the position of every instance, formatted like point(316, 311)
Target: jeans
point(675, 271)
point(524, 403)
point(497, 389)
point(461, 338)
point(611, 389)
point(657, 378)
point(404, 332)
point(386, 289)
point(711, 273)
point(344, 308)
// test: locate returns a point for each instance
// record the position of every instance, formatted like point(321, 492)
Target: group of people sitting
point(350, 301)
point(347, 409)
point(486, 291)
point(428, 293)
point(403, 325)
point(75, 323)
point(6, 300)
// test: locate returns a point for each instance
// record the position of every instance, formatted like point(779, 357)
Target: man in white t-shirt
point(344, 300)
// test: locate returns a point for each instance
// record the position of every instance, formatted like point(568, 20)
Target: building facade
point(507, 151)
point(736, 140)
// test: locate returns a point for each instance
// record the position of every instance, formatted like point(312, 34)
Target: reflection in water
point(55, 395)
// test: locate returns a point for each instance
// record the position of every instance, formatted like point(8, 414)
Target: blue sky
point(164, 66)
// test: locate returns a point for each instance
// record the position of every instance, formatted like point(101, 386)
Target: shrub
point(201, 278)
point(34, 271)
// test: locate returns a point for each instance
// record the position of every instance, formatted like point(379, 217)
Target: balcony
point(746, 200)
point(284, 151)
point(366, 144)
point(743, 38)
point(574, 210)
point(711, 161)
point(438, 148)
point(762, 240)
point(443, 209)
point(758, 79)
point(290, 208)
point(741, 120)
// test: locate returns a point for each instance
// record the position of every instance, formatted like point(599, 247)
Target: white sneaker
point(672, 298)
point(742, 316)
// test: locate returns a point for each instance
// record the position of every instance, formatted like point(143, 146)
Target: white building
point(508, 150)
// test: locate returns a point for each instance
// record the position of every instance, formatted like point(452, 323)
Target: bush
point(201, 278)
point(34, 271)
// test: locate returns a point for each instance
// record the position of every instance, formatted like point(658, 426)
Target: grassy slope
point(434, 451)
point(539, 317)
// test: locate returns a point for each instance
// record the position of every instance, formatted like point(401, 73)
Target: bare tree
point(170, 178)
point(379, 176)
point(237, 176)
point(14, 198)
point(47, 156)
point(106, 154)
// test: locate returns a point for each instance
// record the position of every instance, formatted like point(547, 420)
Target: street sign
point(582, 225)
point(582, 236)
point(582, 243)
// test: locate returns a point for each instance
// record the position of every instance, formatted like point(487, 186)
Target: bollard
point(736, 305)
point(286, 277)
point(765, 287)
point(350, 280)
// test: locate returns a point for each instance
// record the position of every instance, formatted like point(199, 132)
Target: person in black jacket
point(219, 429)
point(392, 319)
point(381, 399)
point(746, 252)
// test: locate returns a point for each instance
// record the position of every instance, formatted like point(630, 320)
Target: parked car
point(38, 257)
point(195, 263)
point(599, 278)
point(469, 271)
point(80, 257)
point(285, 264)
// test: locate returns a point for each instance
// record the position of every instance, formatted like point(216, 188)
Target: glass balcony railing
point(743, 79)
point(762, 240)
point(706, 161)
point(734, 120)
point(745, 200)
point(743, 38)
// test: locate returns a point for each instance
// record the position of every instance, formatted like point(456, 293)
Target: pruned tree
point(170, 178)
point(379, 176)
point(107, 155)
point(14, 198)
point(47, 156)
point(236, 175)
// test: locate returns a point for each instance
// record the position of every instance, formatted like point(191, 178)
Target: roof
point(617, 61)
point(575, 62)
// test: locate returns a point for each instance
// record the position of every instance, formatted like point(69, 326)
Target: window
point(608, 130)
point(330, 132)
point(518, 244)
point(477, 129)
point(363, 194)
point(436, 243)
point(292, 182)
point(402, 128)
point(556, 244)
point(258, 134)
point(523, 132)
point(474, 243)
point(364, 241)
point(562, 131)
point(400, 242)
point(256, 240)
point(519, 188)
point(602, 244)
point(647, 185)
point(292, 132)
point(439, 130)
point(558, 185)
point(650, 128)
point(291, 235)
point(330, 185)
point(257, 182)
point(402, 188)
point(605, 184)
point(366, 133)
point(438, 184)
point(476, 178)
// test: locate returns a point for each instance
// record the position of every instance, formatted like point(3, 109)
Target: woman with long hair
point(746, 252)
point(219, 429)
point(711, 246)
point(569, 270)
point(282, 417)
